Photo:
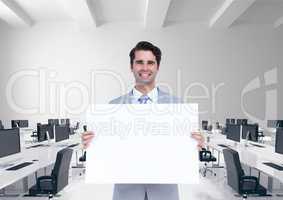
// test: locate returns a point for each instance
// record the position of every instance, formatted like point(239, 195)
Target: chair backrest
point(60, 171)
point(234, 168)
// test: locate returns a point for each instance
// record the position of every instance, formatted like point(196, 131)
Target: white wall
point(230, 59)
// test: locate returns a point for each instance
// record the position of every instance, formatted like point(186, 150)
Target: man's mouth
point(144, 75)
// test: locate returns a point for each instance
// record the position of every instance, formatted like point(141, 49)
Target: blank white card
point(147, 143)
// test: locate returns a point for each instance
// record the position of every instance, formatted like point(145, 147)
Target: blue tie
point(143, 99)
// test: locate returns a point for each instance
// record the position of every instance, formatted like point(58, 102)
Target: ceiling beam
point(155, 13)
point(229, 12)
point(82, 11)
point(278, 22)
point(14, 15)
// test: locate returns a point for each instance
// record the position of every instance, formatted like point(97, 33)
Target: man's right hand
point(87, 137)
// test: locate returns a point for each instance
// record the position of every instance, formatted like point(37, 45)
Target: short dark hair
point(146, 46)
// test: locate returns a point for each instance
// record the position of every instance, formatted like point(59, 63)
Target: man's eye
point(151, 62)
point(139, 62)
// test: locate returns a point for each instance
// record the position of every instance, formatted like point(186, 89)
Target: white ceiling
point(192, 10)
point(212, 13)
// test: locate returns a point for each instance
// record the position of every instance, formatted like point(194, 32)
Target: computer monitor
point(242, 121)
point(61, 133)
point(204, 125)
point(9, 142)
point(19, 123)
point(228, 121)
point(42, 132)
point(53, 121)
point(275, 123)
point(233, 132)
point(279, 141)
point(1, 125)
point(253, 132)
point(65, 122)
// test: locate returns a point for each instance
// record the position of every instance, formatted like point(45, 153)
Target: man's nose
point(145, 66)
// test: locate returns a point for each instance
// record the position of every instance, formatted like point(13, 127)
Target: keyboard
point(19, 166)
point(275, 166)
point(257, 145)
point(34, 146)
point(73, 145)
point(223, 145)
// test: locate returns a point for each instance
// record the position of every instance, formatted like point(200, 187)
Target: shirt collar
point(153, 94)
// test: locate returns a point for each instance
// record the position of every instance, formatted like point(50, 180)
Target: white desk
point(45, 155)
point(251, 155)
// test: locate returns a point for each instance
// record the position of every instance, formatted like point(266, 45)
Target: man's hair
point(146, 46)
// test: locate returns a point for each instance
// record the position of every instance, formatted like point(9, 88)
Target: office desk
point(250, 155)
point(45, 156)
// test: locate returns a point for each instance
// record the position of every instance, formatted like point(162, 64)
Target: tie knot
point(143, 99)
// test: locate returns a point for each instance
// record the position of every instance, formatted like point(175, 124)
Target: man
point(145, 61)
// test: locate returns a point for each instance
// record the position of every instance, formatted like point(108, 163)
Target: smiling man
point(145, 61)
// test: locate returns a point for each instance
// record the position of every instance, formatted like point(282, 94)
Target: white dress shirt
point(153, 96)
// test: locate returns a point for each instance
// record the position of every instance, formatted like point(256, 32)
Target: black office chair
point(206, 157)
point(53, 184)
point(236, 177)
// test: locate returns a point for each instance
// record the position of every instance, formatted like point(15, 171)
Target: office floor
point(210, 188)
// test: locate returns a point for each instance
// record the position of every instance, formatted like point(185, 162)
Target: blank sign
point(148, 143)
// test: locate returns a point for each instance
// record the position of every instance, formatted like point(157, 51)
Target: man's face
point(144, 67)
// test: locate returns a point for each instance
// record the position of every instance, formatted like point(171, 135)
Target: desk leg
point(80, 166)
point(218, 161)
point(25, 184)
point(270, 184)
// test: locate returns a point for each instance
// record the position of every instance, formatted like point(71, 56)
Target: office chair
point(206, 157)
point(59, 177)
point(236, 177)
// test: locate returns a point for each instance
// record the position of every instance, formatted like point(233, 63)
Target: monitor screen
point(279, 141)
point(53, 121)
point(252, 129)
point(228, 121)
point(1, 125)
point(204, 124)
point(41, 132)
point(19, 123)
point(61, 133)
point(275, 123)
point(233, 132)
point(9, 142)
point(65, 122)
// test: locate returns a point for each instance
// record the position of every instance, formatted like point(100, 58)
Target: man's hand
point(87, 137)
point(199, 138)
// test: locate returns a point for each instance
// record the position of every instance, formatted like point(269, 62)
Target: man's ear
point(131, 67)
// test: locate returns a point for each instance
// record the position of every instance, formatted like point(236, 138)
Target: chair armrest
point(43, 178)
point(244, 179)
